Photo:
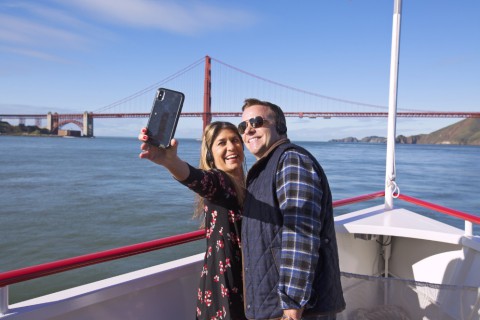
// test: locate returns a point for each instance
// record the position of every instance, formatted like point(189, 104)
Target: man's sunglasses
point(256, 122)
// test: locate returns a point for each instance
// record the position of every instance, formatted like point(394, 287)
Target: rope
point(395, 188)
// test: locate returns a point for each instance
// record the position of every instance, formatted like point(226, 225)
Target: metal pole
point(3, 300)
point(392, 107)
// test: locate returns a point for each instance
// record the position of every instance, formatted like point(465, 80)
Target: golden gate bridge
point(226, 91)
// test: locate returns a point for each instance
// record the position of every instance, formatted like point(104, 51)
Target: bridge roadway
point(85, 120)
point(308, 114)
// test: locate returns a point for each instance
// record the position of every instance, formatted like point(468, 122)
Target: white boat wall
point(166, 291)
point(417, 267)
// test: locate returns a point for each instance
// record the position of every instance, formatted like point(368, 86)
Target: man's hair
point(280, 122)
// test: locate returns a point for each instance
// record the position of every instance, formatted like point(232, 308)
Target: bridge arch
point(65, 122)
point(84, 121)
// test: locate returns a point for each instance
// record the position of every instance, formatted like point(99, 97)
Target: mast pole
point(390, 185)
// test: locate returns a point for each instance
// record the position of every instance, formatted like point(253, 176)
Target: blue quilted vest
point(261, 245)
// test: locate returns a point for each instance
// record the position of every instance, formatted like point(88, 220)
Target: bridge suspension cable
point(151, 87)
point(228, 93)
point(300, 90)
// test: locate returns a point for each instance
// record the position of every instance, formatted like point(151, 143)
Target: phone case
point(163, 120)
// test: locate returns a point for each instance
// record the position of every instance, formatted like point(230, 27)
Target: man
point(291, 267)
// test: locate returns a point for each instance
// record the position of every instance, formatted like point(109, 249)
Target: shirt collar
point(274, 146)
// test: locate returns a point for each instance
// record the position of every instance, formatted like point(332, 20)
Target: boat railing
point(468, 218)
point(42, 270)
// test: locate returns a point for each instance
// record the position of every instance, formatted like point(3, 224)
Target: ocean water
point(61, 198)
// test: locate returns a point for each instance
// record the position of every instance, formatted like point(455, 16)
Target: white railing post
point(468, 228)
point(3, 300)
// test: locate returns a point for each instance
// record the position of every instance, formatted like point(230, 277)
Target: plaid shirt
point(299, 195)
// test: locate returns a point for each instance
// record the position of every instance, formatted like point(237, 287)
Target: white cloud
point(44, 31)
point(32, 53)
point(185, 17)
point(22, 31)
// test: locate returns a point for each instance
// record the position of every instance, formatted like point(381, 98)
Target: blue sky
point(77, 55)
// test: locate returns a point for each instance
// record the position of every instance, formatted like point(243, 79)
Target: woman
point(220, 186)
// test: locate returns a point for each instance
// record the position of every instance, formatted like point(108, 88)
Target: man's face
point(258, 140)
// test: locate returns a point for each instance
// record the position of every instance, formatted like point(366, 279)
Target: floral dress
point(220, 293)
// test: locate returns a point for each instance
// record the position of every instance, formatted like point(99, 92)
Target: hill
point(465, 132)
point(7, 129)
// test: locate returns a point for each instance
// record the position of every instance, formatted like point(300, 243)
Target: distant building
point(69, 133)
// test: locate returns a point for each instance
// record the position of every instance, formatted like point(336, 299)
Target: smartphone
point(163, 120)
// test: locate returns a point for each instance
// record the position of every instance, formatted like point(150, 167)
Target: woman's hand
point(158, 155)
point(166, 157)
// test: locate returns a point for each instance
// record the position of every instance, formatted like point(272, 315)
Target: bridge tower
point(207, 97)
point(52, 123)
point(87, 124)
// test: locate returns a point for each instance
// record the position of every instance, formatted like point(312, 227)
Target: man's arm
point(299, 195)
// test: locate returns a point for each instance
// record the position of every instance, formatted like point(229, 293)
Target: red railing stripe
point(28, 273)
point(33, 272)
point(436, 207)
point(365, 197)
